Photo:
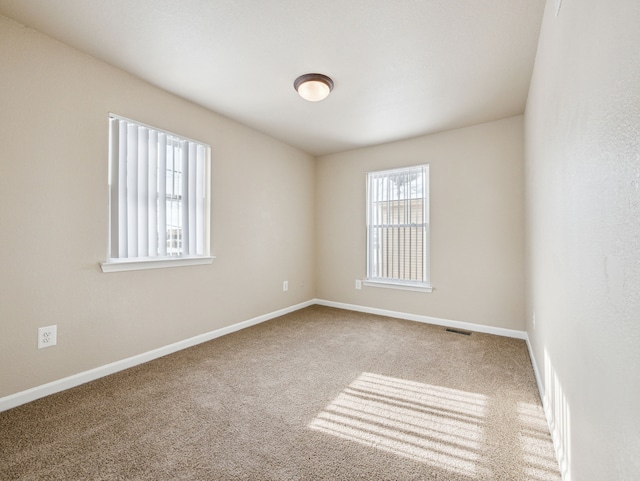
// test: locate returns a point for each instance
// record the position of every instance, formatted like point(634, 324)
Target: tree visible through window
point(398, 226)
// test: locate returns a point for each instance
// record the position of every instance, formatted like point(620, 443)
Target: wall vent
point(458, 331)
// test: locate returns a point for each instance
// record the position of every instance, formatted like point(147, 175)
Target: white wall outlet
point(533, 319)
point(47, 336)
point(285, 286)
point(358, 284)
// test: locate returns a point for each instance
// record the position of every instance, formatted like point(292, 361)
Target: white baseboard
point(543, 399)
point(467, 326)
point(536, 372)
point(554, 428)
point(53, 387)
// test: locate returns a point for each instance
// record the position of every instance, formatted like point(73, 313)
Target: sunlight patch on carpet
point(438, 426)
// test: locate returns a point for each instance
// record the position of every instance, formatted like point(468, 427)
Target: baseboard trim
point(468, 326)
point(541, 391)
point(536, 371)
point(23, 397)
point(554, 429)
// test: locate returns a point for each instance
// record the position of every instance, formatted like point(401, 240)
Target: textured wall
point(55, 103)
point(477, 224)
point(583, 233)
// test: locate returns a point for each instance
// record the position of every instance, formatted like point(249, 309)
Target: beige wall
point(477, 224)
point(54, 105)
point(583, 233)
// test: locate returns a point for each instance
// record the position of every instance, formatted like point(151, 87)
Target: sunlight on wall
point(559, 416)
point(539, 460)
point(430, 424)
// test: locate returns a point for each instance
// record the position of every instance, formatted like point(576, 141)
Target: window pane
point(397, 204)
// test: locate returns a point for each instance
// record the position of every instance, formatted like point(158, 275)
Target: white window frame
point(377, 195)
point(142, 226)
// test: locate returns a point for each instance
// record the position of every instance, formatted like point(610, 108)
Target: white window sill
point(118, 265)
point(397, 285)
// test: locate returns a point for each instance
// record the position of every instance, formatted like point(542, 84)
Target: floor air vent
point(458, 331)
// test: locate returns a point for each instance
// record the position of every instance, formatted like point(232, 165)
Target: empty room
point(297, 240)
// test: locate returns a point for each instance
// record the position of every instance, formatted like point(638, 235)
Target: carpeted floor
point(319, 394)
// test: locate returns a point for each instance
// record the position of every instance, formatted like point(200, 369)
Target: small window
point(398, 228)
point(158, 198)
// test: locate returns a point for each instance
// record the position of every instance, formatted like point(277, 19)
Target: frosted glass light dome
point(313, 86)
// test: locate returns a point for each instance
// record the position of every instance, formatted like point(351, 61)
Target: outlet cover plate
point(47, 336)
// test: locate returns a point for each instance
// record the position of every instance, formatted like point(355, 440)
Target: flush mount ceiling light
point(313, 86)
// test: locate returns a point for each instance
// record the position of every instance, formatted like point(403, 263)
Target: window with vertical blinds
point(398, 228)
point(158, 198)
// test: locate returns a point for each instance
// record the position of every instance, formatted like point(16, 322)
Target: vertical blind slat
point(427, 227)
point(143, 192)
point(132, 190)
point(172, 185)
point(379, 221)
point(184, 204)
point(412, 191)
point(380, 187)
point(162, 194)
point(152, 194)
point(200, 211)
point(406, 261)
point(387, 261)
point(370, 224)
point(114, 189)
point(123, 210)
point(191, 208)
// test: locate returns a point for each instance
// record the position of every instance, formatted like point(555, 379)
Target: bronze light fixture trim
point(313, 86)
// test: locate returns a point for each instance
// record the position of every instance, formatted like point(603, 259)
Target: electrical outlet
point(47, 336)
point(285, 286)
point(533, 318)
point(358, 284)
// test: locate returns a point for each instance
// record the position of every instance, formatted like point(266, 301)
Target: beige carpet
point(318, 394)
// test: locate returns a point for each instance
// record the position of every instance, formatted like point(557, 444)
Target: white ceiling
point(401, 68)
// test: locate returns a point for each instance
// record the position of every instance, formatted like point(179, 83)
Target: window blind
point(398, 226)
point(158, 193)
